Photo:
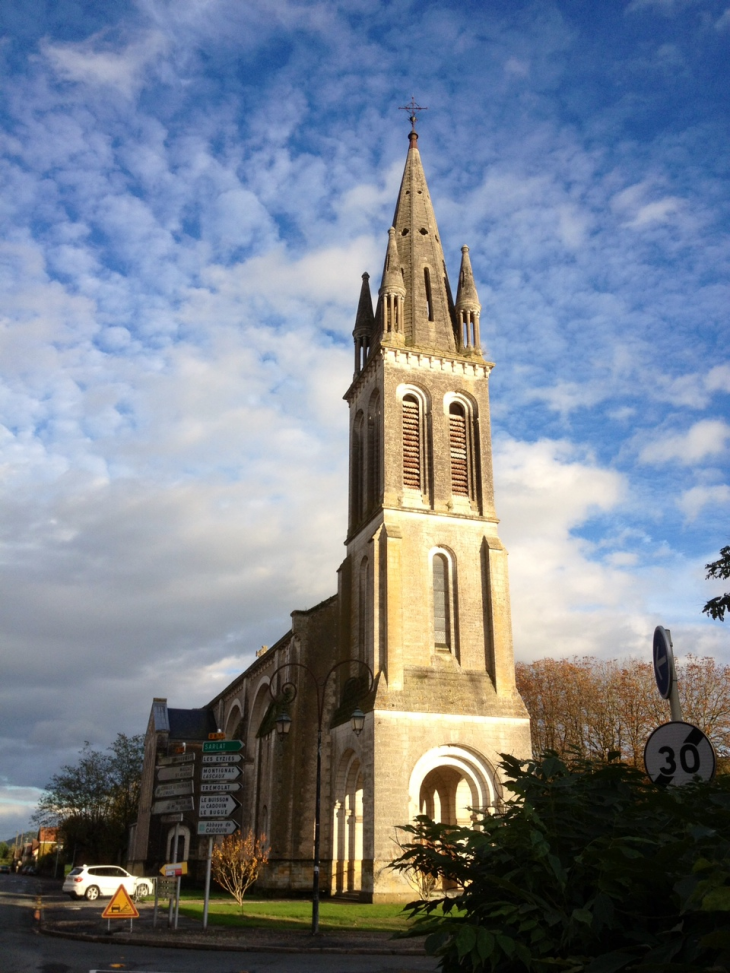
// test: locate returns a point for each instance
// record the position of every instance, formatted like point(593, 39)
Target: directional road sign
point(663, 661)
point(180, 758)
point(176, 804)
point(217, 827)
point(219, 773)
point(172, 818)
point(222, 746)
point(174, 790)
point(676, 753)
point(219, 785)
point(175, 773)
point(221, 758)
point(120, 906)
point(173, 869)
point(217, 805)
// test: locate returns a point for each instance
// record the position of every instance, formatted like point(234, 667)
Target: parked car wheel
point(142, 890)
point(92, 893)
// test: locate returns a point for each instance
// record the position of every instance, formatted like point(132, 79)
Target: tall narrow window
point(357, 470)
point(411, 443)
point(459, 455)
point(429, 301)
point(363, 609)
point(441, 599)
point(373, 457)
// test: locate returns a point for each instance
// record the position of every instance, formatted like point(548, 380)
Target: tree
point(237, 861)
point(591, 708)
point(423, 883)
point(4, 850)
point(588, 868)
point(716, 607)
point(94, 801)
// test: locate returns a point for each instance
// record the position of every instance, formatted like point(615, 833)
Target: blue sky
point(190, 193)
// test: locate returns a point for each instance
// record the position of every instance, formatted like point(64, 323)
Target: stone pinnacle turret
point(467, 307)
point(392, 295)
point(364, 325)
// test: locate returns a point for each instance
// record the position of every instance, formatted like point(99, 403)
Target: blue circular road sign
point(663, 657)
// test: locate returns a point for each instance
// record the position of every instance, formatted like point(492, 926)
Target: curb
point(227, 948)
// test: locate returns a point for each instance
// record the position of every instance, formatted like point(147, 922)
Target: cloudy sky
point(190, 191)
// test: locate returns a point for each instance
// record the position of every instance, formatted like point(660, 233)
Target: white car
point(92, 881)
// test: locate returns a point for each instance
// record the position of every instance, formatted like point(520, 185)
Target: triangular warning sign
point(121, 906)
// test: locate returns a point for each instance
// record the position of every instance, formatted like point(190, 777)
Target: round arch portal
point(448, 782)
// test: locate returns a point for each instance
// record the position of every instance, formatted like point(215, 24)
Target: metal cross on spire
point(413, 108)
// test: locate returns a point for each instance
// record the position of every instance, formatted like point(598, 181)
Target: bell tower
point(424, 590)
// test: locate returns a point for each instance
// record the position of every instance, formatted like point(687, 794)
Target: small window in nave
point(441, 600)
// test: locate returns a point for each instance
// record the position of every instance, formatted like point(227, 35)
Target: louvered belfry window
point(459, 453)
point(411, 443)
point(441, 626)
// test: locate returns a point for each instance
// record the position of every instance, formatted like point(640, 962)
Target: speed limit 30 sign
point(678, 752)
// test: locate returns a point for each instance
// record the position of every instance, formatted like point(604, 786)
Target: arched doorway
point(452, 784)
point(347, 826)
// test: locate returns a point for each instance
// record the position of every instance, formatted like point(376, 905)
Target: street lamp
point(283, 725)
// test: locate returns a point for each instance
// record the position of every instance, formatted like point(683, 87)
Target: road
point(23, 950)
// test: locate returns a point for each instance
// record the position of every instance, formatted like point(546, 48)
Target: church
point(417, 641)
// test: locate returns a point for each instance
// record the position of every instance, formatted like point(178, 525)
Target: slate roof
point(191, 724)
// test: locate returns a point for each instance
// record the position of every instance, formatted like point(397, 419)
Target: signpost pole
point(177, 900)
point(208, 862)
point(171, 909)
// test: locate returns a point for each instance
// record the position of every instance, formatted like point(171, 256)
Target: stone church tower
point(423, 600)
point(424, 589)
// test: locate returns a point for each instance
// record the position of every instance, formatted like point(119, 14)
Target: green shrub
point(589, 867)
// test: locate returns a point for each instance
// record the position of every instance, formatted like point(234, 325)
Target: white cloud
point(96, 62)
point(516, 67)
point(705, 438)
point(565, 598)
point(718, 379)
point(637, 212)
point(694, 500)
point(566, 397)
point(658, 211)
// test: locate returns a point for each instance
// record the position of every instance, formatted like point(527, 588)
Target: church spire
point(414, 249)
point(364, 324)
point(468, 307)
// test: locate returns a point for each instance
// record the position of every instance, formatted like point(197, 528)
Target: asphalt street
point(24, 950)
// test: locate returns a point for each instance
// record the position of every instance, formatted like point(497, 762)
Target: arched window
point(441, 602)
point(357, 469)
point(459, 450)
point(416, 445)
point(373, 457)
point(363, 611)
point(411, 442)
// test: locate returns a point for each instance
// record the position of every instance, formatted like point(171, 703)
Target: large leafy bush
point(589, 867)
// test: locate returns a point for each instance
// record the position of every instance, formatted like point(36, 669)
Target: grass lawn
point(297, 914)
